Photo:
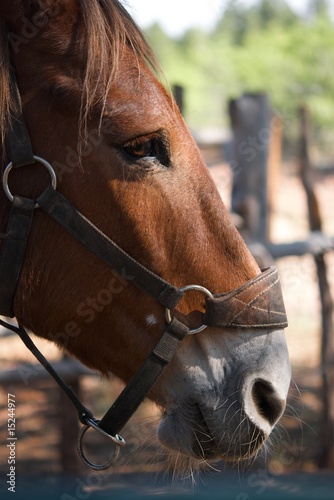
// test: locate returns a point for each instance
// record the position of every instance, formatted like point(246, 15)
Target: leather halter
point(256, 304)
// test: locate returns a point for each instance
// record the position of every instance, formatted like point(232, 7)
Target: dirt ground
point(294, 445)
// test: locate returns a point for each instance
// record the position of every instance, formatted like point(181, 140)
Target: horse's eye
point(140, 149)
point(149, 151)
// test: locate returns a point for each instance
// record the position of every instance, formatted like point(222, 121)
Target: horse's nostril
point(267, 402)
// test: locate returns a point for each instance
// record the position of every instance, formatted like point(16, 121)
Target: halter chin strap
point(256, 304)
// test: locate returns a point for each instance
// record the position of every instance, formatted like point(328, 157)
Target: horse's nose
point(267, 402)
point(264, 404)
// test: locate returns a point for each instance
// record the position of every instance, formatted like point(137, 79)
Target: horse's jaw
point(224, 404)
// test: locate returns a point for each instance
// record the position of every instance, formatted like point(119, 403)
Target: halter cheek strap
point(22, 209)
point(256, 304)
point(13, 251)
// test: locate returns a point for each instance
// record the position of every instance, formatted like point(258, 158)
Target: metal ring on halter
point(117, 440)
point(39, 160)
point(186, 289)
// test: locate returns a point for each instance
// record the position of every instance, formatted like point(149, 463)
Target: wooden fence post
point(178, 92)
point(69, 428)
point(326, 457)
point(274, 163)
point(250, 120)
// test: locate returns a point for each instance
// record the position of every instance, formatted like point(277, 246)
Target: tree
point(262, 47)
point(235, 22)
point(269, 11)
point(318, 8)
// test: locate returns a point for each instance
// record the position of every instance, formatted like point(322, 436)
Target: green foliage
point(264, 47)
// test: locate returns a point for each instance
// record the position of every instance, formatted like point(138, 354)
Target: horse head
point(123, 155)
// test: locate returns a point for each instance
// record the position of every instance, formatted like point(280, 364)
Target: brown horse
point(125, 158)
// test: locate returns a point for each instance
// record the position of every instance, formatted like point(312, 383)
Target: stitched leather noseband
point(256, 304)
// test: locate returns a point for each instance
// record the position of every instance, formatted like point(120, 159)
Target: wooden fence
point(257, 137)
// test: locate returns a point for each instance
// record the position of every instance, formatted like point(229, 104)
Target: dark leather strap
point(21, 332)
point(144, 379)
point(60, 209)
point(12, 255)
point(22, 209)
point(18, 140)
point(137, 389)
point(256, 304)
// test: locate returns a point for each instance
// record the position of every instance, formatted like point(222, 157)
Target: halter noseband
point(256, 304)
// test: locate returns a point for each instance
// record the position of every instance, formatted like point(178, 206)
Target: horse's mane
point(109, 28)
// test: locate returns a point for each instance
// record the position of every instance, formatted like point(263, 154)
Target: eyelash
point(152, 148)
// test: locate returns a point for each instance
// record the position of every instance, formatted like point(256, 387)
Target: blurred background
point(284, 48)
point(254, 81)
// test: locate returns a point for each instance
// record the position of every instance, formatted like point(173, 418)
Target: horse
point(95, 109)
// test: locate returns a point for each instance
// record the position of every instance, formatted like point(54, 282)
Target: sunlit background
point(177, 16)
point(219, 49)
